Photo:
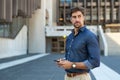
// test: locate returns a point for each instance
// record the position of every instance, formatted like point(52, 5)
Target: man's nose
point(77, 18)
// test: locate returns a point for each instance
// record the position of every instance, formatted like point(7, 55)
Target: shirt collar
point(80, 30)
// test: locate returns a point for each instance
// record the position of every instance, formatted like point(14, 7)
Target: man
point(82, 49)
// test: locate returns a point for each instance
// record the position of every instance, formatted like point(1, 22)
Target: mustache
point(77, 22)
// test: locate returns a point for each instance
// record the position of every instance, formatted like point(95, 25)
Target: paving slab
point(43, 68)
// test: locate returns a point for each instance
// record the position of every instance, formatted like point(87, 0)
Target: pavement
point(43, 67)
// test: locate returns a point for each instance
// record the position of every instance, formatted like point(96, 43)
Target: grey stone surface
point(112, 62)
point(40, 69)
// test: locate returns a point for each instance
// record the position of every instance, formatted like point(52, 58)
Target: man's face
point(77, 19)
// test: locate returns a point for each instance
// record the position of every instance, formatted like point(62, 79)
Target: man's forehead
point(77, 13)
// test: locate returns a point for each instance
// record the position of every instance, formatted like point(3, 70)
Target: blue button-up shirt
point(83, 47)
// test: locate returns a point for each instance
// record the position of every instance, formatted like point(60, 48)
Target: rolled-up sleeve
point(93, 53)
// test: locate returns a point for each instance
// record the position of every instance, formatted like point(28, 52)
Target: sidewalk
point(109, 68)
point(44, 68)
point(16, 57)
point(112, 62)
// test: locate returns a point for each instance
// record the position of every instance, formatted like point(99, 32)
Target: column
point(119, 12)
point(98, 11)
point(8, 11)
point(78, 3)
point(85, 8)
point(112, 10)
point(105, 7)
point(39, 4)
point(71, 4)
point(64, 12)
point(2, 10)
point(15, 8)
point(84, 4)
point(29, 14)
point(91, 12)
point(57, 10)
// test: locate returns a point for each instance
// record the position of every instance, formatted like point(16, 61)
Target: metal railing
point(58, 31)
point(102, 41)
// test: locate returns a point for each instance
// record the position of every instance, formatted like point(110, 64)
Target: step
point(113, 41)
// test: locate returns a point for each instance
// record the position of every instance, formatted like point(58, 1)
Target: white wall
point(37, 30)
point(49, 4)
point(51, 7)
point(14, 47)
point(54, 8)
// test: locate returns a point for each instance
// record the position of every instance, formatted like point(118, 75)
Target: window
point(14, 14)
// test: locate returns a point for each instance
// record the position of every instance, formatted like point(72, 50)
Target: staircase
point(113, 41)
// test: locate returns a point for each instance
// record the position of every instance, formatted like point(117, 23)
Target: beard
point(77, 25)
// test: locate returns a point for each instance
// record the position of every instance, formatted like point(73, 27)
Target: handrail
point(102, 41)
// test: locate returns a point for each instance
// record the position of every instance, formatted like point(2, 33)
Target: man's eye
point(74, 16)
point(79, 16)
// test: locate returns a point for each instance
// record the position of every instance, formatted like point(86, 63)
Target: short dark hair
point(75, 9)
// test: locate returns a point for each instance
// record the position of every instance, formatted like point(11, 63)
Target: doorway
point(58, 45)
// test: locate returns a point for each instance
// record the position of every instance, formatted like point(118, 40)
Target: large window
point(14, 14)
point(97, 11)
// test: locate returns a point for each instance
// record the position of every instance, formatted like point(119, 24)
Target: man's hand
point(65, 64)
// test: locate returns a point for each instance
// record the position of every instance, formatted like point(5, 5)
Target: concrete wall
point(54, 8)
point(14, 47)
point(51, 7)
point(36, 35)
point(37, 30)
point(113, 42)
point(50, 12)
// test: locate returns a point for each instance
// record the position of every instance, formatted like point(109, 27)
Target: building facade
point(97, 11)
point(24, 24)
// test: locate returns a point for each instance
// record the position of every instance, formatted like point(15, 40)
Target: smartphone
point(57, 60)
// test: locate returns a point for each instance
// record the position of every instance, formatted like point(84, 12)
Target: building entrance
point(58, 45)
point(55, 44)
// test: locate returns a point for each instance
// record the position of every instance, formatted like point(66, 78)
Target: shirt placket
point(68, 54)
